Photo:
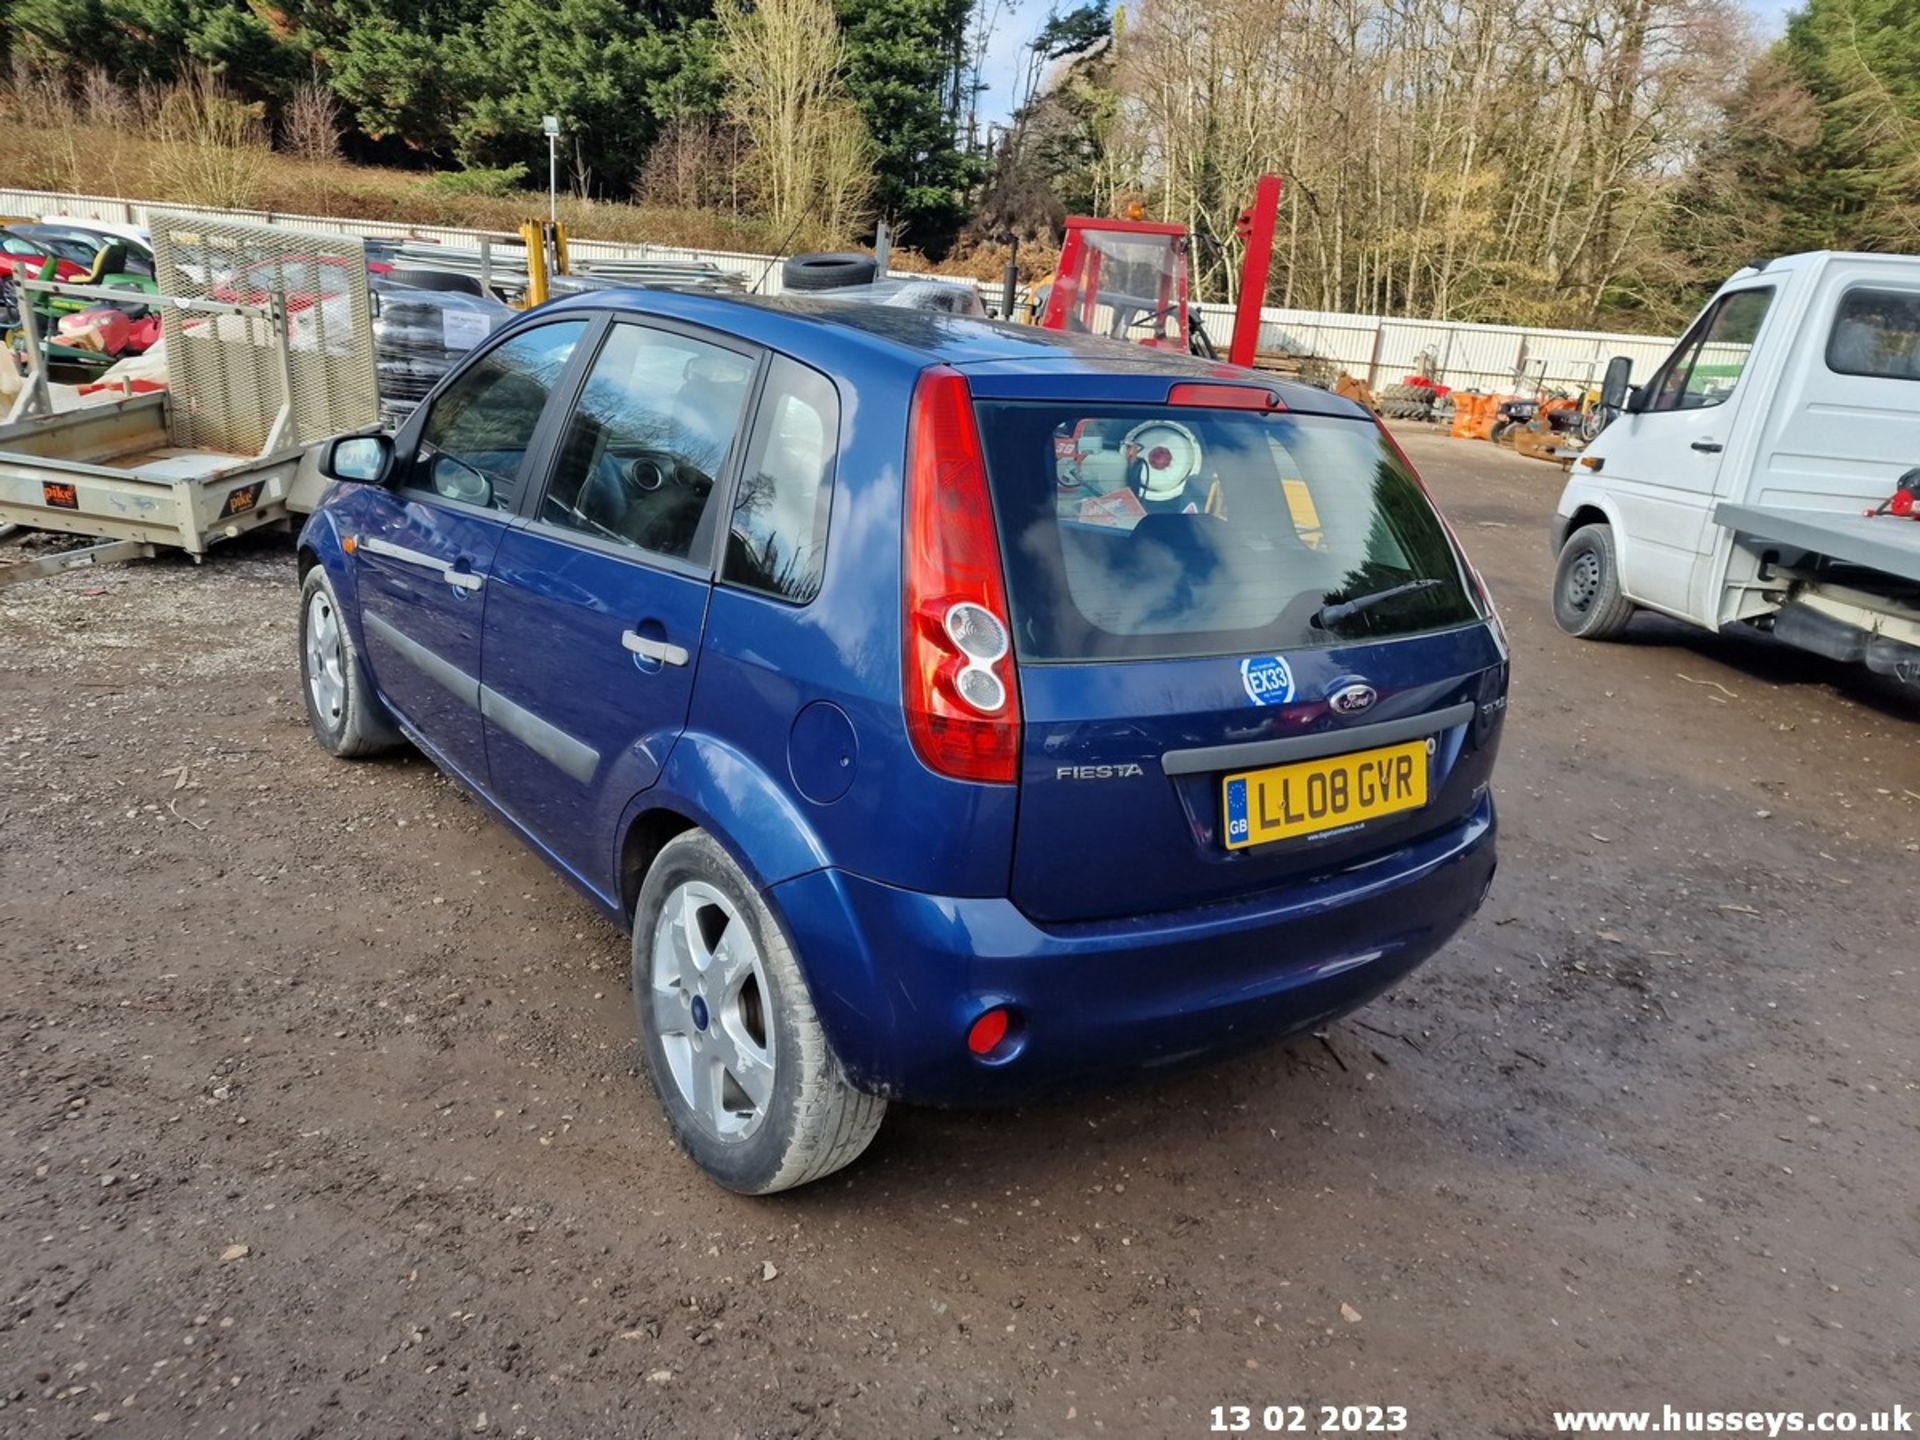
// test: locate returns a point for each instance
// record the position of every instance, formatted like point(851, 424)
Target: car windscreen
point(1142, 532)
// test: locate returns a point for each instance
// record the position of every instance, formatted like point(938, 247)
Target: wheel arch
point(645, 836)
point(706, 778)
point(1590, 510)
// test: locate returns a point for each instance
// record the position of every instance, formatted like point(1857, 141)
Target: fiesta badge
point(1267, 679)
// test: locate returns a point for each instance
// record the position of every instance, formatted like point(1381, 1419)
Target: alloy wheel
point(709, 1008)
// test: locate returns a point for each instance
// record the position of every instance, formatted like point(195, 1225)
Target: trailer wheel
point(1587, 602)
point(348, 720)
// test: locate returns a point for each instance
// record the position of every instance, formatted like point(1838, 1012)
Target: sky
point(1018, 21)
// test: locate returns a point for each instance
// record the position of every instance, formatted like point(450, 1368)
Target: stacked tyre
point(1407, 402)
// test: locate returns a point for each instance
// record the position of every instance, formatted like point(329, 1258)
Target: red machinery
point(1124, 277)
point(1905, 500)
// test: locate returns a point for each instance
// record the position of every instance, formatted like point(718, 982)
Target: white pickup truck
point(1734, 484)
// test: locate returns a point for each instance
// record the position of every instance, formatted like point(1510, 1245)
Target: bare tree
point(310, 127)
point(811, 157)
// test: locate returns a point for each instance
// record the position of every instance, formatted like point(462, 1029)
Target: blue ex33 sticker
point(1268, 680)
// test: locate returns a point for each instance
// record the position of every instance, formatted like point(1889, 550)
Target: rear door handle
point(1708, 447)
point(665, 651)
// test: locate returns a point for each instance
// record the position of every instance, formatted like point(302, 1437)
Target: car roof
point(919, 338)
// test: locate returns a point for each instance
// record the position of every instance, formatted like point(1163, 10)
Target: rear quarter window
point(1137, 532)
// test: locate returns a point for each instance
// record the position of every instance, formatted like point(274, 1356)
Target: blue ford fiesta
point(956, 712)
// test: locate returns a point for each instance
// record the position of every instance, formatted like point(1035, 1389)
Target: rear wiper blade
point(1327, 616)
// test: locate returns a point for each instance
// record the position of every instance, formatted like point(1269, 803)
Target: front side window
point(476, 436)
point(648, 439)
point(777, 541)
point(1876, 334)
point(1708, 364)
point(1153, 531)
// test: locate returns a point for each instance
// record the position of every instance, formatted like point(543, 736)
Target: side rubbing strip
point(550, 742)
point(450, 677)
point(1315, 746)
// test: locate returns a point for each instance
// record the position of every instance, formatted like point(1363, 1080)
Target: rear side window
point(777, 541)
point(1877, 334)
point(1137, 532)
point(648, 439)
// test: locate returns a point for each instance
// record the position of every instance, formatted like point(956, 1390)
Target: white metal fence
point(1381, 349)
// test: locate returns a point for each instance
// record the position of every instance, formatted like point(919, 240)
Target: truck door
point(1663, 465)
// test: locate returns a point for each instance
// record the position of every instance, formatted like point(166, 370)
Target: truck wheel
point(736, 1054)
point(1587, 602)
point(347, 719)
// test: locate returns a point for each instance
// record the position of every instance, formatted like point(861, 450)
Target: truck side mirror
point(1616, 393)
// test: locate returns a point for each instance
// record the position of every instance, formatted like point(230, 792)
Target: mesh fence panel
point(224, 371)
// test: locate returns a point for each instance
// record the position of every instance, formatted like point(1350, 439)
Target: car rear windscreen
point(1144, 532)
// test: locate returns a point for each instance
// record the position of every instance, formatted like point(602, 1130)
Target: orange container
point(1473, 416)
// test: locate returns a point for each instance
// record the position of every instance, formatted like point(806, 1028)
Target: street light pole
point(551, 124)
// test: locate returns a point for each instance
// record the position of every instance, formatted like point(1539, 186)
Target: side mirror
point(1616, 393)
point(459, 481)
point(361, 459)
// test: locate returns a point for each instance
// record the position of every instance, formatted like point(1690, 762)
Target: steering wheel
point(645, 470)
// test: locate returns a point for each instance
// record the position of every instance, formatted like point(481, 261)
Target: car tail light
point(962, 697)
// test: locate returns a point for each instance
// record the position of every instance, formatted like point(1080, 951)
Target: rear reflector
point(987, 1032)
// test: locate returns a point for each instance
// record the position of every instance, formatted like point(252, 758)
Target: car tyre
point(829, 271)
point(348, 720)
point(1587, 601)
point(733, 1047)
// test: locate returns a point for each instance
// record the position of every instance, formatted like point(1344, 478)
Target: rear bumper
point(898, 976)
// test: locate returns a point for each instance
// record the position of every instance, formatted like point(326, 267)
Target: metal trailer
point(268, 342)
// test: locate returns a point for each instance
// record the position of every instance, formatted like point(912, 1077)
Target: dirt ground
point(320, 1114)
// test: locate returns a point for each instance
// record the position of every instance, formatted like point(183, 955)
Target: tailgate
point(1125, 804)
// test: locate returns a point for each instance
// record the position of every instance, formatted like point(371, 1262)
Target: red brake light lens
point(962, 697)
point(1224, 397)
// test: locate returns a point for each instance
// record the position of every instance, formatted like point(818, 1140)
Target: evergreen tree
point(904, 70)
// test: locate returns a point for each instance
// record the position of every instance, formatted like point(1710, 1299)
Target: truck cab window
point(1876, 334)
point(1708, 363)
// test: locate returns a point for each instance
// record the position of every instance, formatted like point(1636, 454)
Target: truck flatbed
point(1886, 543)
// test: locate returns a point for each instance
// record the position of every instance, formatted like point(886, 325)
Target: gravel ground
point(320, 1113)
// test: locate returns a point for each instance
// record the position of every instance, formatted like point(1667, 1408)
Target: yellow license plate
point(1313, 797)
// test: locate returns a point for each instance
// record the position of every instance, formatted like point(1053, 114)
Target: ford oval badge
point(1352, 699)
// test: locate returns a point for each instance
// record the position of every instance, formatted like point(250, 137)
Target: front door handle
point(665, 651)
point(1708, 447)
point(454, 576)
